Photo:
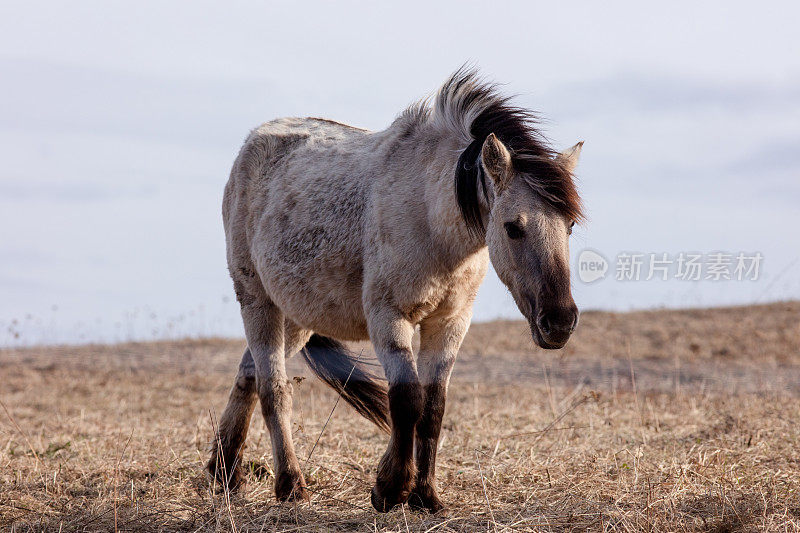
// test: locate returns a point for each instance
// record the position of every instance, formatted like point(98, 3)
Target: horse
point(335, 234)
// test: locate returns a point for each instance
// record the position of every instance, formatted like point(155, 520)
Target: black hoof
point(425, 500)
point(385, 500)
point(291, 487)
point(230, 479)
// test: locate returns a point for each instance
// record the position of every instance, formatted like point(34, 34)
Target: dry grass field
point(646, 421)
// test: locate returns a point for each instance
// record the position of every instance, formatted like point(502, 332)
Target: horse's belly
point(322, 305)
point(329, 318)
point(339, 327)
point(333, 320)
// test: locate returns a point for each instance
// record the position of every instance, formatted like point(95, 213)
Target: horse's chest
point(444, 294)
point(417, 309)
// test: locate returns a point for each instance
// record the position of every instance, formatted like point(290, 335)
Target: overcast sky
point(119, 122)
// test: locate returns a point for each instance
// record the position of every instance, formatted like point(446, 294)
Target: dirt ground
point(660, 421)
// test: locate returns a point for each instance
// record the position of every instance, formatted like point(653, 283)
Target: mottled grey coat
point(350, 235)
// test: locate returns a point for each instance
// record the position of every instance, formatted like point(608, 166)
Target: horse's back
point(294, 213)
point(271, 142)
point(266, 159)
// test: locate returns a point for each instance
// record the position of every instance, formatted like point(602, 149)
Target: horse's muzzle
point(553, 327)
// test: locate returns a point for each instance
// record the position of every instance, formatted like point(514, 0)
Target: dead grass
point(660, 421)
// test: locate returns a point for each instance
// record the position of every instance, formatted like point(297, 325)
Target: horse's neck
point(455, 242)
point(428, 157)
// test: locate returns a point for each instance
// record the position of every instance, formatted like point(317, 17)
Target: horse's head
point(528, 237)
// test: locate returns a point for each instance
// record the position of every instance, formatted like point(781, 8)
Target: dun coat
point(335, 234)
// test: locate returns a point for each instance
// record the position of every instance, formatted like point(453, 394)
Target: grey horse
point(335, 233)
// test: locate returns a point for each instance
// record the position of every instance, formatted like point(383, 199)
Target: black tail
point(343, 372)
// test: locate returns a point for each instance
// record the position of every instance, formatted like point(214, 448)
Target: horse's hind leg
point(264, 327)
point(226, 452)
point(226, 456)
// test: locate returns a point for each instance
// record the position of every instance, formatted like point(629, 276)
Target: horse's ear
point(496, 160)
point(569, 157)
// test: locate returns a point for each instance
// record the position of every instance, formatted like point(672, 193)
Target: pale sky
point(119, 123)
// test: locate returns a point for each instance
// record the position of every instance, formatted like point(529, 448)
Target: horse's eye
point(513, 230)
point(571, 225)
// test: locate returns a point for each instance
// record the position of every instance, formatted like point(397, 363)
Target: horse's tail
point(343, 372)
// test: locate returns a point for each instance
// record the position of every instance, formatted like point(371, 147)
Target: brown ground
point(663, 420)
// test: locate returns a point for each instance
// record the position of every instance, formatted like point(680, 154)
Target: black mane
point(465, 95)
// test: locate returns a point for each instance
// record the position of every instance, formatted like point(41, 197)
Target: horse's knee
point(406, 395)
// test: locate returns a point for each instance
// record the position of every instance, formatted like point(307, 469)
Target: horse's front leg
point(391, 336)
point(440, 339)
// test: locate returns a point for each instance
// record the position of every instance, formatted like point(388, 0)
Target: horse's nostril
point(557, 323)
point(544, 325)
